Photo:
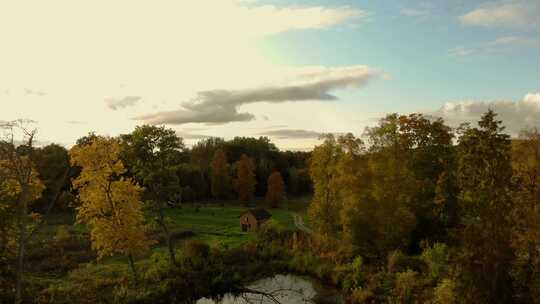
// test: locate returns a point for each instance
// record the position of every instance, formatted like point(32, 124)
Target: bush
point(436, 258)
point(399, 262)
point(197, 249)
point(272, 230)
point(445, 292)
point(361, 295)
point(62, 234)
point(405, 284)
point(158, 267)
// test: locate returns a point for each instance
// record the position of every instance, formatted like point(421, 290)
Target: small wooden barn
point(252, 219)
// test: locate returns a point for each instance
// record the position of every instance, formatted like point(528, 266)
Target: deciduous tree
point(275, 193)
point(153, 155)
point(526, 215)
point(484, 175)
point(110, 202)
point(245, 182)
point(220, 180)
point(19, 187)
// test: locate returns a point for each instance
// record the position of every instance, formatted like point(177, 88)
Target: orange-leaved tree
point(110, 203)
point(219, 169)
point(275, 192)
point(244, 182)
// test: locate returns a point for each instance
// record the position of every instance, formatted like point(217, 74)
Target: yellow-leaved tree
point(19, 187)
point(110, 203)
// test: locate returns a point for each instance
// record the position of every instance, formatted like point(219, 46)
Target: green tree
point(484, 174)
point(324, 209)
point(52, 163)
point(153, 153)
point(245, 182)
point(526, 215)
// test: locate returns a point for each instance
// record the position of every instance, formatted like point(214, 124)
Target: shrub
point(361, 295)
point(271, 230)
point(444, 293)
point(196, 248)
point(357, 266)
point(62, 235)
point(405, 284)
point(399, 262)
point(436, 258)
point(158, 267)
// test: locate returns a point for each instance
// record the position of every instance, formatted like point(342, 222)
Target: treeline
point(467, 199)
point(191, 171)
point(118, 185)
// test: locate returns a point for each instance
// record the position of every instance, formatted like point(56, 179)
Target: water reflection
point(287, 289)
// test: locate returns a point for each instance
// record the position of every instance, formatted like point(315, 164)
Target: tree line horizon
point(466, 199)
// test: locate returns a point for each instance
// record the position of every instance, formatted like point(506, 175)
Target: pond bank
point(285, 288)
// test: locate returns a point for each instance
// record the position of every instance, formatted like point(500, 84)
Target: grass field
point(216, 223)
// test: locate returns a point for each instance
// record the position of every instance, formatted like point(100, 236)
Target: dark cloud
point(291, 134)
point(222, 106)
point(120, 103)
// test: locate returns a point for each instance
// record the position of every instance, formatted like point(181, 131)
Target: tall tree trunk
point(133, 269)
point(21, 249)
point(168, 240)
point(20, 268)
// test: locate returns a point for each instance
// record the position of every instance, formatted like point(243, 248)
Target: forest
point(411, 211)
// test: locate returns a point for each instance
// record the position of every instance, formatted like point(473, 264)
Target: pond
point(286, 289)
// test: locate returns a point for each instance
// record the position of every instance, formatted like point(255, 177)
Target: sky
point(289, 70)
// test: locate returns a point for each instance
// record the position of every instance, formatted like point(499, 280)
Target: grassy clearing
point(216, 223)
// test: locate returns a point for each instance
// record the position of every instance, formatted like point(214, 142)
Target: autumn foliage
point(220, 183)
point(110, 203)
point(275, 193)
point(244, 182)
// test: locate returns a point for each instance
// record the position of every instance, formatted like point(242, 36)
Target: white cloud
point(411, 12)
point(79, 52)
point(120, 103)
point(513, 14)
point(532, 98)
point(291, 133)
point(222, 106)
point(501, 44)
point(516, 115)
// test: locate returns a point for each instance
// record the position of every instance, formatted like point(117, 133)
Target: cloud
point(512, 14)
point(222, 106)
point(34, 92)
point(501, 44)
point(411, 12)
point(291, 134)
point(262, 19)
point(516, 115)
point(187, 135)
point(120, 103)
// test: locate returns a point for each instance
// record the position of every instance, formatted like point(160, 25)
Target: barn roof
point(259, 213)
